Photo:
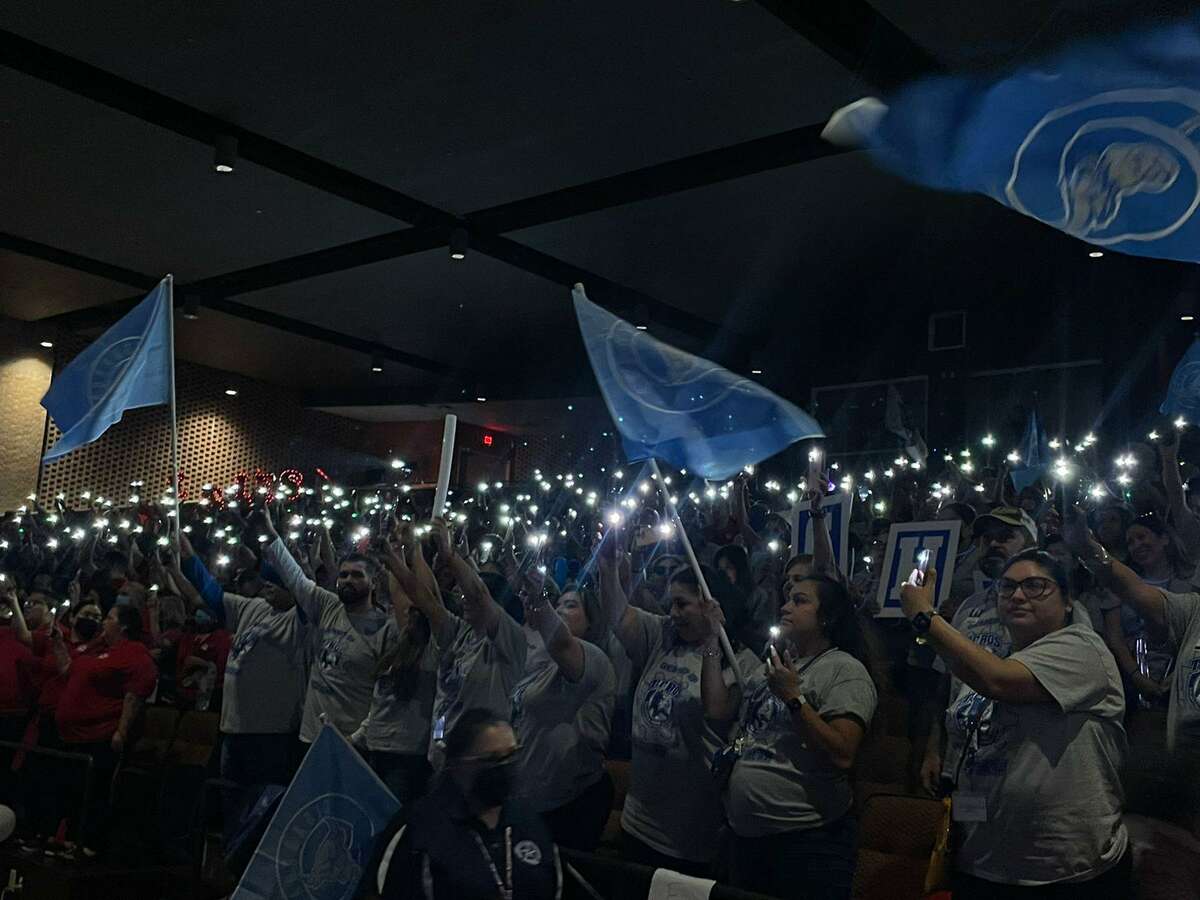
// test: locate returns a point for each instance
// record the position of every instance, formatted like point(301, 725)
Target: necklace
point(505, 887)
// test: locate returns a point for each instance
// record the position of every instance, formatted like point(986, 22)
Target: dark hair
point(1046, 563)
point(838, 617)
point(1155, 524)
point(403, 660)
point(740, 560)
point(466, 731)
point(805, 558)
point(130, 620)
point(366, 561)
point(730, 599)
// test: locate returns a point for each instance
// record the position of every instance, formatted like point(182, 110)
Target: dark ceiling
point(665, 154)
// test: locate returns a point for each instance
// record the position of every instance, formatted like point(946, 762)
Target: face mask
point(493, 784)
point(122, 600)
point(87, 628)
point(204, 621)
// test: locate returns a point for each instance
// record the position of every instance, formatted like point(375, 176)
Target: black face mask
point(87, 628)
point(493, 784)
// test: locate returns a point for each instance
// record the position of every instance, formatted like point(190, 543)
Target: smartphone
point(917, 578)
point(772, 642)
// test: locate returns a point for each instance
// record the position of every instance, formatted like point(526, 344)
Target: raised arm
point(418, 583)
point(1006, 680)
point(20, 627)
point(1186, 525)
point(475, 592)
point(719, 699)
point(621, 616)
point(564, 648)
point(824, 560)
point(312, 599)
point(1111, 573)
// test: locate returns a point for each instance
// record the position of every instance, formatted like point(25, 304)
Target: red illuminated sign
point(487, 440)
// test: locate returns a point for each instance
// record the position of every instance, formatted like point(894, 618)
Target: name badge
point(969, 808)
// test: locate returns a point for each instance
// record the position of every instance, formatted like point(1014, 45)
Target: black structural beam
point(75, 261)
point(855, 34)
point(103, 87)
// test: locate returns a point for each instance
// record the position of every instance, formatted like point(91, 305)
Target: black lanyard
point(505, 887)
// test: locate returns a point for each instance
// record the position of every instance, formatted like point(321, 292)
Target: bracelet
point(710, 653)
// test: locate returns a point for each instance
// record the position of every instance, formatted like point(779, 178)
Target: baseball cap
point(1009, 517)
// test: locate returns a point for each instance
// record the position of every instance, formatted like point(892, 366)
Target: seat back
point(896, 837)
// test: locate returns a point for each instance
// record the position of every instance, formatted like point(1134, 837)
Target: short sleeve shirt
point(264, 675)
point(402, 703)
point(1047, 775)
point(783, 782)
point(91, 702)
point(562, 726)
point(1183, 713)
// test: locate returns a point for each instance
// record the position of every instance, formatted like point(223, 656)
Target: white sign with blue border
point(905, 541)
point(837, 520)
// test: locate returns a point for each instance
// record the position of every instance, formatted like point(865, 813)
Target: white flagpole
point(726, 647)
point(446, 464)
point(174, 418)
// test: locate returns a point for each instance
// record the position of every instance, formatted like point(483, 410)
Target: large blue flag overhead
point(1183, 393)
point(1100, 140)
point(681, 408)
point(127, 367)
point(1034, 452)
point(321, 838)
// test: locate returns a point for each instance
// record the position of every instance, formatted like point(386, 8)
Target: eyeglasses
point(1032, 588)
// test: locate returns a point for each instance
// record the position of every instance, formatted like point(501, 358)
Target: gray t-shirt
point(342, 675)
point(1043, 778)
point(401, 716)
point(476, 672)
point(1183, 714)
point(562, 727)
point(672, 805)
point(783, 782)
point(264, 676)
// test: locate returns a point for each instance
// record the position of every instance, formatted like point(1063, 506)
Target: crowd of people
point(487, 663)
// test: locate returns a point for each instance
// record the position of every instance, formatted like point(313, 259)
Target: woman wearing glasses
point(468, 840)
point(1035, 744)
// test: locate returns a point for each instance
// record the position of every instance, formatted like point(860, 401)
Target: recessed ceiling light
point(376, 368)
point(1183, 318)
point(47, 344)
point(225, 153)
point(640, 327)
point(230, 392)
point(1096, 254)
point(481, 399)
point(756, 371)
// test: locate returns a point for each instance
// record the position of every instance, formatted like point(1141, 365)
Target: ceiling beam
point(85, 80)
point(75, 261)
point(855, 34)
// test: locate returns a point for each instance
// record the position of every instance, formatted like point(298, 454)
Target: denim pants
point(808, 864)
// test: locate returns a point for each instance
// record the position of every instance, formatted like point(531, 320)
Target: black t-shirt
point(441, 853)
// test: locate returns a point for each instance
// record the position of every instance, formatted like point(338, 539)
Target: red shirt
point(52, 683)
point(14, 700)
point(89, 707)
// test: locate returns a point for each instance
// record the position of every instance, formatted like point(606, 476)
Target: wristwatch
point(922, 620)
point(795, 704)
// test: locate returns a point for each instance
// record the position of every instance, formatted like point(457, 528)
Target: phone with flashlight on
point(917, 579)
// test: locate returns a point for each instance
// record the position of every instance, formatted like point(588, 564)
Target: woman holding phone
point(1035, 744)
point(788, 797)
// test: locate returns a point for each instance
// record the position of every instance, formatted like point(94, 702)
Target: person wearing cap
point(263, 687)
point(999, 535)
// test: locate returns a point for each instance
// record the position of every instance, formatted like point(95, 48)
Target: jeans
point(579, 824)
point(808, 864)
point(1117, 882)
point(405, 774)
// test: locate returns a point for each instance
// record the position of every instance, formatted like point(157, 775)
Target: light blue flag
point(1183, 393)
point(321, 838)
point(129, 366)
point(1100, 140)
point(686, 410)
point(1034, 452)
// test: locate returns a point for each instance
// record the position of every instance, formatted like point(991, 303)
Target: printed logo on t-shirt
point(528, 852)
point(988, 729)
point(763, 709)
point(1191, 672)
point(330, 655)
point(656, 724)
point(243, 644)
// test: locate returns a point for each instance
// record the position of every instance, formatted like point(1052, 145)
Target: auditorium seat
point(884, 759)
point(158, 730)
point(195, 739)
point(896, 836)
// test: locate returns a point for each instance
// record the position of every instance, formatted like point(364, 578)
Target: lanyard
point(505, 888)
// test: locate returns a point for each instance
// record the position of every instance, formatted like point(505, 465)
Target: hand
point(74, 591)
point(185, 548)
point(1148, 687)
point(921, 599)
point(56, 635)
point(1052, 522)
point(781, 676)
point(440, 536)
point(715, 617)
point(118, 742)
point(264, 519)
point(931, 773)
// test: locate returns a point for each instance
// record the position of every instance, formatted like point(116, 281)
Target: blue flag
point(681, 408)
point(1183, 393)
point(1099, 140)
point(321, 838)
point(1034, 452)
point(129, 366)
